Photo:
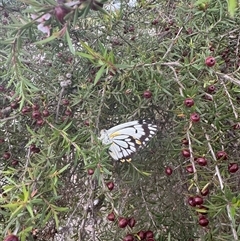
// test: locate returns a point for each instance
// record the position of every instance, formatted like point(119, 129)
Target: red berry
point(210, 61)
point(2, 140)
point(5, 14)
point(131, 222)
point(155, 22)
point(129, 237)
point(205, 192)
point(147, 94)
point(149, 234)
point(111, 217)
point(185, 141)
point(122, 222)
point(236, 126)
point(40, 122)
point(189, 168)
point(110, 185)
point(168, 171)
point(14, 105)
point(14, 162)
point(34, 149)
point(86, 123)
point(211, 89)
point(11, 237)
point(141, 235)
point(203, 221)
point(35, 107)
point(2, 88)
point(232, 167)
point(191, 201)
point(45, 113)
point(211, 49)
point(26, 109)
point(65, 102)
point(222, 155)
point(36, 114)
point(202, 161)
point(6, 155)
point(60, 12)
point(186, 152)
point(68, 112)
point(32, 146)
point(195, 117)
point(189, 102)
point(90, 172)
point(131, 29)
point(198, 200)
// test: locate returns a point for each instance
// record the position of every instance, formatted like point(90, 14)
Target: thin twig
point(227, 77)
point(172, 43)
point(100, 106)
point(230, 100)
point(177, 80)
point(149, 212)
point(235, 235)
point(59, 102)
point(195, 177)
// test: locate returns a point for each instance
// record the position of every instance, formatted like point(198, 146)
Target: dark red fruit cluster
point(124, 222)
point(141, 235)
point(226, 55)
point(197, 201)
point(37, 115)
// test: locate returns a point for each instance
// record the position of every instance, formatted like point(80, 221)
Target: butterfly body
point(125, 139)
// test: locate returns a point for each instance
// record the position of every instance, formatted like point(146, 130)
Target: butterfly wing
point(125, 139)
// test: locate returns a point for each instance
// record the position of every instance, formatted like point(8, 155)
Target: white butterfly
point(125, 139)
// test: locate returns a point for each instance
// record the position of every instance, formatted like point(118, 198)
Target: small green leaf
point(56, 219)
point(232, 7)
point(99, 74)
point(69, 41)
point(64, 168)
point(47, 40)
point(88, 56)
point(29, 208)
